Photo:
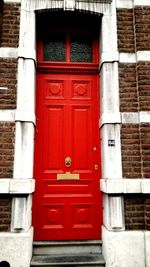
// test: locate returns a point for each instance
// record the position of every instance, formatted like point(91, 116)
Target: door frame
point(25, 113)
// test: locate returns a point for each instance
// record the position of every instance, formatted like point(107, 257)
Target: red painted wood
point(67, 125)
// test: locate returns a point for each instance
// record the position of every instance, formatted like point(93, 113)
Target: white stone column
point(25, 119)
point(110, 119)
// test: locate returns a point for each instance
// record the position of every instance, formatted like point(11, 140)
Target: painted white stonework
point(130, 117)
point(125, 186)
point(147, 248)
point(144, 116)
point(25, 116)
point(4, 186)
point(8, 52)
point(143, 55)
point(21, 214)
point(109, 88)
point(125, 248)
point(16, 248)
point(113, 212)
point(7, 115)
point(110, 118)
point(69, 4)
point(116, 212)
point(24, 147)
point(109, 57)
point(134, 57)
point(17, 186)
point(135, 117)
point(124, 3)
point(111, 156)
point(127, 57)
point(12, 1)
point(142, 3)
point(131, 3)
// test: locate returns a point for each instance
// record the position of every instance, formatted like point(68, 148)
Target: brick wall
point(134, 84)
point(133, 29)
point(1, 17)
point(10, 26)
point(127, 88)
point(142, 29)
point(137, 212)
point(5, 213)
point(145, 149)
point(7, 131)
point(125, 30)
point(8, 79)
point(134, 212)
point(9, 37)
point(131, 156)
point(143, 75)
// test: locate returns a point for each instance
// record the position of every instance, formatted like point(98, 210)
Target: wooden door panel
point(81, 89)
point(82, 143)
point(54, 89)
point(67, 126)
point(53, 138)
point(52, 187)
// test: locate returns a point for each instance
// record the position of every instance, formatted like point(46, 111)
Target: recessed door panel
point(52, 138)
point(82, 143)
point(67, 199)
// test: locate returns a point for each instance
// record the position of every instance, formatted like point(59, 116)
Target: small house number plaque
point(111, 142)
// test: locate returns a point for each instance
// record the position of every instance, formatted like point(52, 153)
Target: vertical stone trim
point(111, 155)
point(25, 119)
point(110, 96)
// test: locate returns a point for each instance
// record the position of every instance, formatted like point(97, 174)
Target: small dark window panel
point(55, 49)
point(81, 49)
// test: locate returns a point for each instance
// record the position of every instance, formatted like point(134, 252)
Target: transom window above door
point(70, 47)
point(67, 40)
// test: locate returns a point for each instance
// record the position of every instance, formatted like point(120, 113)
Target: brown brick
point(143, 71)
point(137, 212)
point(5, 213)
point(130, 146)
point(134, 212)
point(125, 30)
point(1, 18)
point(10, 25)
point(127, 88)
point(142, 25)
point(7, 130)
point(8, 75)
point(145, 147)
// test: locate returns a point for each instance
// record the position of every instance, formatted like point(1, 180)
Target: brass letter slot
point(68, 176)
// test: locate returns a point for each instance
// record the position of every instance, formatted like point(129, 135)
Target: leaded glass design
point(55, 48)
point(81, 49)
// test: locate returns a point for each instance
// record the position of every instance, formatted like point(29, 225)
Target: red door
point(67, 200)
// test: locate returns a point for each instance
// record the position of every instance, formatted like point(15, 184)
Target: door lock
point(96, 167)
point(67, 162)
